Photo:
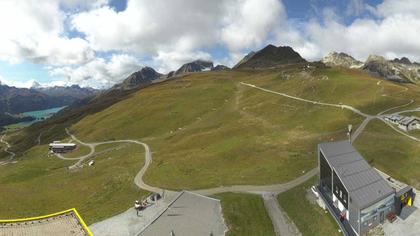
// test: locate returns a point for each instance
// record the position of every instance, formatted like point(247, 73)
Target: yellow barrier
point(52, 215)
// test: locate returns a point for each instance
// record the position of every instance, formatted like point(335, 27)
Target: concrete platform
point(128, 223)
point(189, 214)
point(408, 224)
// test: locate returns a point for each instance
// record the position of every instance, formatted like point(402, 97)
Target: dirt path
point(138, 180)
point(309, 101)
point(6, 149)
point(283, 226)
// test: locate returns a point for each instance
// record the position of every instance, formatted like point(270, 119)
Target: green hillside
point(204, 129)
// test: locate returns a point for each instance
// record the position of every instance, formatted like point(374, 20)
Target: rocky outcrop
point(400, 70)
point(138, 79)
point(195, 66)
point(220, 67)
point(341, 60)
point(270, 56)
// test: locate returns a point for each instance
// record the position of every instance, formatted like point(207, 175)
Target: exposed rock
point(220, 67)
point(342, 60)
point(195, 66)
point(138, 79)
point(403, 60)
point(401, 70)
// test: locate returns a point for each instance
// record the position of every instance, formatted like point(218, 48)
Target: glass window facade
point(372, 211)
point(325, 173)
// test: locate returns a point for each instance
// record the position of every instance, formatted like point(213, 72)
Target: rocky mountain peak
point(139, 79)
point(270, 56)
point(195, 66)
point(341, 59)
point(403, 60)
point(35, 85)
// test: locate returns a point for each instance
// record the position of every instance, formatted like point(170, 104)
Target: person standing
point(137, 206)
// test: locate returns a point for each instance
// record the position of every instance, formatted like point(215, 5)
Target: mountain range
point(398, 70)
point(148, 75)
point(14, 101)
point(17, 100)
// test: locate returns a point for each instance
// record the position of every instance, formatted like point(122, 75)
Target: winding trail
point(6, 149)
point(309, 101)
point(138, 179)
point(269, 193)
point(281, 225)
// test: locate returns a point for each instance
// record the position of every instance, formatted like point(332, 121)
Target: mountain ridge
point(270, 56)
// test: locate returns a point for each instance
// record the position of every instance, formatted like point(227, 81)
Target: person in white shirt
point(137, 206)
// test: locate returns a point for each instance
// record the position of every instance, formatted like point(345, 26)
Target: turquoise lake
point(40, 115)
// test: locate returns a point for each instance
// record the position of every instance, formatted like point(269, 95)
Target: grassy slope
point(205, 130)
point(308, 217)
point(41, 185)
point(79, 151)
point(391, 152)
point(210, 130)
point(245, 214)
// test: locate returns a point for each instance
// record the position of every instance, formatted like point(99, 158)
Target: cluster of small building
point(405, 123)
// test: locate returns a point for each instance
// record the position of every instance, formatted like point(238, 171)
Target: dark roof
point(364, 184)
point(408, 120)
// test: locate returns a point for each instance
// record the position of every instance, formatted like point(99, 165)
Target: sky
point(98, 43)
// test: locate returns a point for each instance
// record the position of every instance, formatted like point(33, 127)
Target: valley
point(211, 144)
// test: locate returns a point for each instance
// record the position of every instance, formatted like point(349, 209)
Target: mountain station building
point(355, 193)
point(57, 147)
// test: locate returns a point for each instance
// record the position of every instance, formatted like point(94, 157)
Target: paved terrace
point(189, 214)
point(66, 223)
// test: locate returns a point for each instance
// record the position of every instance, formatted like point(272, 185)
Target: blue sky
point(100, 42)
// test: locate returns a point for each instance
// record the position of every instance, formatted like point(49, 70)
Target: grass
point(80, 150)
point(310, 219)
point(204, 130)
point(41, 185)
point(390, 152)
point(245, 214)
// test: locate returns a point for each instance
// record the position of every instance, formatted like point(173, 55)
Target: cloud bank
point(92, 44)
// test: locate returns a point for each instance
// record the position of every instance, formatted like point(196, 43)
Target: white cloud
point(31, 83)
point(393, 34)
point(171, 33)
point(401, 7)
point(99, 73)
point(34, 31)
point(249, 22)
point(177, 31)
point(146, 26)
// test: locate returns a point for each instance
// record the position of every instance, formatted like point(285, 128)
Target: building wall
point(339, 190)
point(325, 172)
point(371, 216)
point(354, 212)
